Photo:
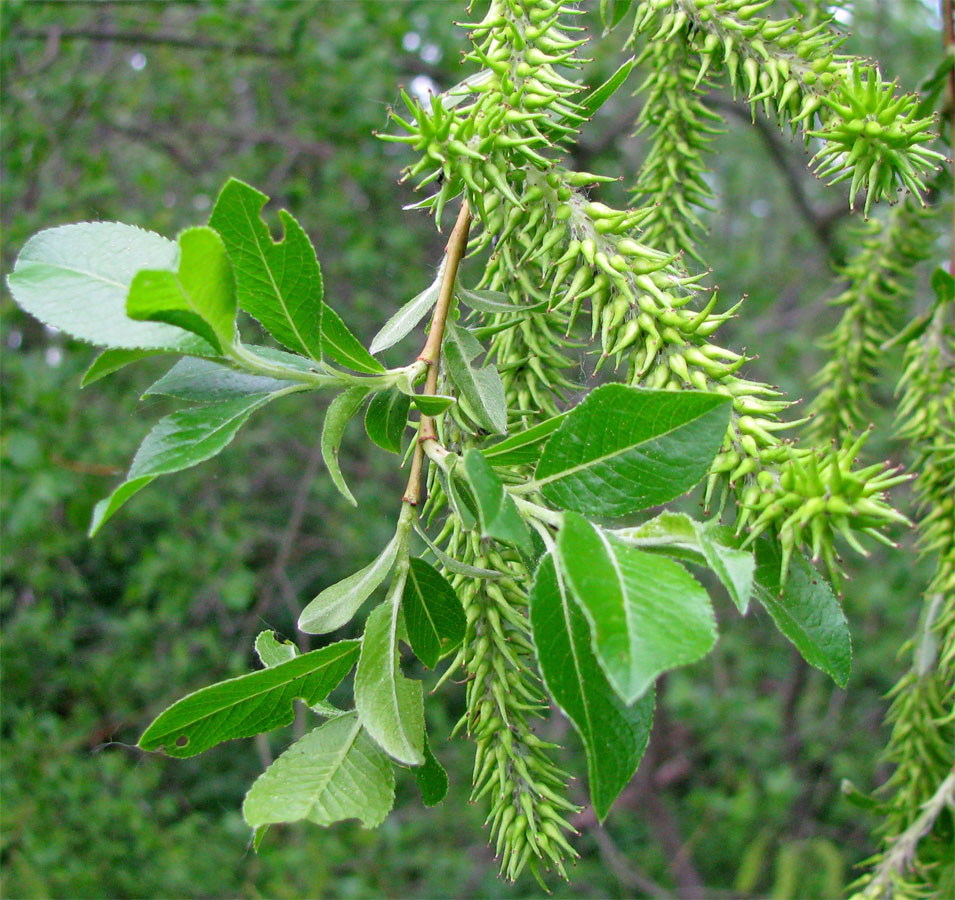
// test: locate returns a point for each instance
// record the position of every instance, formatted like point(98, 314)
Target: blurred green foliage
point(138, 112)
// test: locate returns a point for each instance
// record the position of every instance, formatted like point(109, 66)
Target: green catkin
point(915, 857)
point(497, 138)
point(670, 183)
point(878, 287)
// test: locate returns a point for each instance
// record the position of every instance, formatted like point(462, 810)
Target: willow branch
point(431, 352)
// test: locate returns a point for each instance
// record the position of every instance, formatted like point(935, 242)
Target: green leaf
point(110, 361)
point(481, 388)
point(408, 316)
point(271, 651)
point(333, 773)
point(340, 412)
point(702, 543)
point(206, 381)
point(180, 441)
point(390, 706)
point(805, 610)
point(76, 278)
point(250, 704)
point(612, 11)
point(524, 447)
point(615, 735)
point(497, 511)
point(624, 449)
point(432, 404)
point(434, 615)
point(735, 568)
point(453, 565)
point(342, 346)
point(492, 302)
point(386, 418)
point(199, 297)
point(336, 605)
point(647, 614)
point(600, 95)
point(460, 497)
point(431, 778)
point(277, 282)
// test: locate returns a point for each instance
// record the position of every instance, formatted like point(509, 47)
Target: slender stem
point(431, 352)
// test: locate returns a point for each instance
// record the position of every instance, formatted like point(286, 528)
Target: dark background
point(138, 112)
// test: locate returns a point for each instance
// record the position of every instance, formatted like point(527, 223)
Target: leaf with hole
point(624, 449)
point(331, 774)
point(271, 651)
point(434, 615)
point(277, 282)
point(198, 297)
point(250, 704)
point(647, 614)
point(615, 735)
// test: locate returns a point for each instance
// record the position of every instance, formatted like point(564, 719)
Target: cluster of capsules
point(873, 137)
point(923, 727)
point(562, 257)
point(490, 138)
point(877, 284)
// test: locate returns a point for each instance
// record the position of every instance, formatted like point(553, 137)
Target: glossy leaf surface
point(386, 418)
point(614, 734)
point(277, 282)
point(434, 615)
point(198, 297)
point(646, 613)
point(624, 449)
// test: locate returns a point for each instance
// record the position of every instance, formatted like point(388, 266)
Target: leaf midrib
point(257, 237)
point(339, 760)
point(573, 470)
point(62, 268)
point(254, 696)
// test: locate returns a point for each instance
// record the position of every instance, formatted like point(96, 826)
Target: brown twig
point(431, 352)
